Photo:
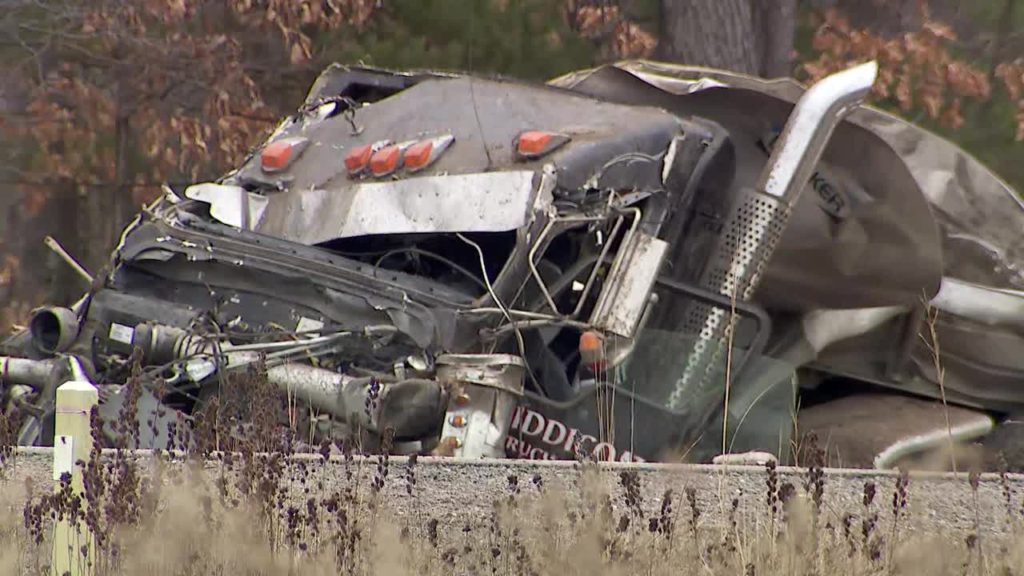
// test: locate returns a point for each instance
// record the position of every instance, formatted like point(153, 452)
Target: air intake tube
point(755, 223)
point(53, 329)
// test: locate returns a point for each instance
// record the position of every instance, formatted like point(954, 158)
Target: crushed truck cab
point(638, 262)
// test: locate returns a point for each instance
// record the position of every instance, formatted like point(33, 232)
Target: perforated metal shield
point(753, 228)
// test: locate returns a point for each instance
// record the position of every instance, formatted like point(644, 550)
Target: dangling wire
point(504, 310)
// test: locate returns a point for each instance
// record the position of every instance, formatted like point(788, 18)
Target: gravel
point(460, 492)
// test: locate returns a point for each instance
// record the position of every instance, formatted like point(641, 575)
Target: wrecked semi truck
point(638, 262)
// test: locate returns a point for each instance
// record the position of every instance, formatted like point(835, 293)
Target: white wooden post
point(72, 441)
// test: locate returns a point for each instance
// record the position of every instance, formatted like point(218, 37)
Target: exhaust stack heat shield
point(758, 217)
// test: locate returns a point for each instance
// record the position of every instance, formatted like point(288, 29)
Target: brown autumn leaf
point(903, 93)
point(9, 268)
point(631, 41)
point(594, 21)
point(916, 69)
point(1012, 75)
point(939, 29)
point(1019, 137)
point(33, 200)
point(932, 102)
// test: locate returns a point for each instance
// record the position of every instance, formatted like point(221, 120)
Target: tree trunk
point(775, 29)
point(748, 36)
point(888, 18)
point(63, 284)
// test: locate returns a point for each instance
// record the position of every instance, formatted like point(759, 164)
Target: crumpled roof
point(981, 217)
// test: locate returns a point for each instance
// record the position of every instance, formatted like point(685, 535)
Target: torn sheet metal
point(821, 261)
point(974, 207)
point(230, 205)
point(825, 327)
point(984, 304)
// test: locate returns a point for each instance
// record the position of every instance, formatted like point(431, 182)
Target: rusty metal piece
point(489, 389)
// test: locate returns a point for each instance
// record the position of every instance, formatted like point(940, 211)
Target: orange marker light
point(417, 156)
point(590, 341)
point(278, 155)
point(592, 349)
point(358, 159)
point(425, 152)
point(533, 144)
point(386, 160)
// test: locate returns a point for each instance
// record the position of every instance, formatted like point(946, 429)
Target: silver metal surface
point(753, 230)
point(485, 389)
point(956, 184)
point(326, 390)
point(886, 202)
point(32, 373)
point(627, 290)
point(825, 327)
point(500, 371)
point(816, 115)
point(485, 202)
point(230, 205)
point(342, 396)
point(980, 303)
point(320, 388)
point(940, 437)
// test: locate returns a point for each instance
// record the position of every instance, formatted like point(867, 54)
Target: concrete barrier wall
point(458, 492)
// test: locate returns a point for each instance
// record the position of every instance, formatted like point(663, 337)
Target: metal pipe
point(34, 373)
point(43, 376)
point(53, 329)
point(412, 408)
point(965, 432)
point(322, 389)
point(540, 242)
point(597, 266)
point(538, 323)
point(756, 221)
point(52, 244)
point(533, 265)
point(287, 344)
point(810, 126)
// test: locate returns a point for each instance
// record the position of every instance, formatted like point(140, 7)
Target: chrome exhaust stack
point(756, 221)
point(809, 128)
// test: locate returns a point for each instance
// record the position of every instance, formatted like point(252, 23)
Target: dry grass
point(257, 510)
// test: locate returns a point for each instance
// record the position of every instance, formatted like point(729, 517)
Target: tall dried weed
point(240, 495)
